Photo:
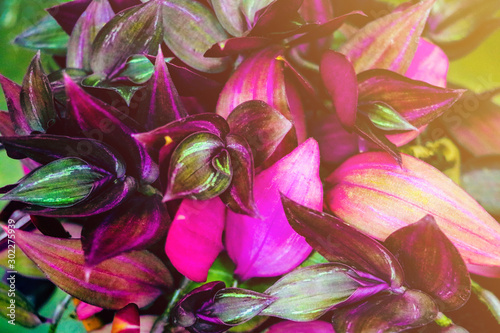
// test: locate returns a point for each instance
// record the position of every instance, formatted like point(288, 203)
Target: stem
point(162, 322)
point(58, 313)
point(488, 298)
point(442, 320)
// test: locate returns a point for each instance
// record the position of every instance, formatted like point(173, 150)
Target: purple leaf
point(97, 14)
point(97, 118)
point(195, 237)
point(262, 77)
point(338, 242)
point(112, 46)
point(269, 246)
point(262, 126)
point(119, 5)
point(431, 263)
point(138, 223)
point(161, 103)
point(45, 148)
point(390, 41)
point(6, 125)
point(341, 83)
point(127, 320)
point(84, 310)
point(186, 312)
point(67, 14)
point(317, 11)
point(107, 198)
point(276, 17)
point(323, 30)
point(387, 313)
point(239, 195)
point(137, 277)
point(37, 100)
point(235, 46)
point(189, 45)
point(12, 92)
point(418, 102)
point(367, 130)
point(177, 131)
point(200, 168)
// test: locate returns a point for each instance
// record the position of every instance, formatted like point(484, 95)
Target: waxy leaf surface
point(97, 14)
point(235, 306)
point(97, 118)
point(162, 104)
point(190, 42)
point(431, 263)
point(61, 183)
point(262, 127)
point(37, 100)
point(387, 313)
point(112, 47)
point(45, 148)
point(338, 242)
point(307, 293)
point(418, 102)
point(374, 194)
point(389, 42)
point(200, 168)
point(137, 277)
point(268, 246)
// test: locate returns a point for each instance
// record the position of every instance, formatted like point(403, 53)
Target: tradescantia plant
point(179, 155)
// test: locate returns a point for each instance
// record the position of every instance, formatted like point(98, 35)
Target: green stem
point(162, 323)
point(58, 313)
point(488, 298)
point(442, 320)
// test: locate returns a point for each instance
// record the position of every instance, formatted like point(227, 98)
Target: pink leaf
point(372, 193)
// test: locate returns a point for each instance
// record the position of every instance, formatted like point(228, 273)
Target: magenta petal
point(341, 83)
point(430, 64)
point(308, 327)
point(85, 310)
point(269, 246)
point(127, 320)
point(195, 237)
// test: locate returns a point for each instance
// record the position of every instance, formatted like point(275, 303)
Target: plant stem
point(442, 320)
point(488, 298)
point(162, 323)
point(58, 313)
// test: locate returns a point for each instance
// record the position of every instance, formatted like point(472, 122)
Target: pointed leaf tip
point(432, 263)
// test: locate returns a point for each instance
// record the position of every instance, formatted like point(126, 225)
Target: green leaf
point(135, 30)
point(61, 183)
point(37, 100)
point(200, 168)
point(189, 41)
point(14, 306)
point(383, 116)
point(46, 36)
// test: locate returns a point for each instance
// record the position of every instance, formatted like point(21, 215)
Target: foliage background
point(479, 71)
